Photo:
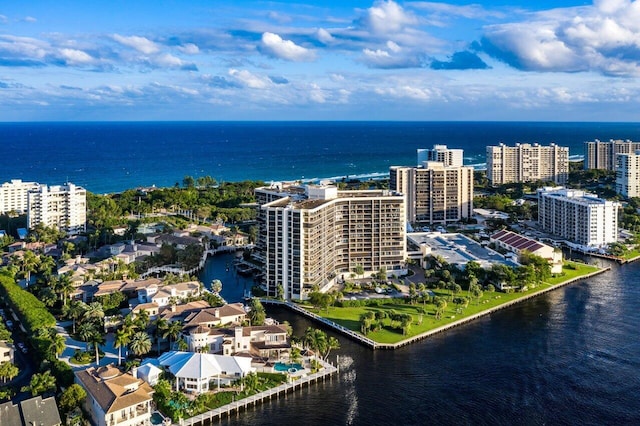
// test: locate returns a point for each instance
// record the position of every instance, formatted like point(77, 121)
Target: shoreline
point(392, 346)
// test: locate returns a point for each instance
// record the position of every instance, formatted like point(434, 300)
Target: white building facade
point(527, 163)
point(628, 174)
point(63, 207)
point(580, 217)
point(13, 196)
point(441, 154)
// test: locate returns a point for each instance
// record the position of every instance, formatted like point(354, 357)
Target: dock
point(236, 407)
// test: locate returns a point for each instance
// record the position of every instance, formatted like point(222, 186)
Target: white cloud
point(471, 11)
point(74, 56)
point(248, 79)
point(324, 36)
point(23, 47)
point(387, 17)
point(603, 38)
point(168, 60)
point(276, 46)
point(141, 44)
point(3, 19)
point(189, 49)
point(30, 19)
point(393, 46)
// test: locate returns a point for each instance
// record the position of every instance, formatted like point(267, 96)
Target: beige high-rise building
point(434, 193)
point(311, 240)
point(602, 155)
point(527, 163)
point(13, 195)
point(578, 216)
point(441, 154)
point(628, 174)
point(63, 207)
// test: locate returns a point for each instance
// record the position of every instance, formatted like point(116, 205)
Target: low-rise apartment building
point(578, 216)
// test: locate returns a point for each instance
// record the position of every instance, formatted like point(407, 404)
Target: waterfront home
point(115, 398)
point(262, 343)
point(198, 372)
point(30, 412)
point(181, 311)
point(179, 242)
point(231, 313)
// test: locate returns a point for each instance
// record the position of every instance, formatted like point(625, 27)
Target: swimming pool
point(156, 418)
point(291, 368)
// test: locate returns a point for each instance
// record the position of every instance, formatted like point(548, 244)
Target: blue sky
point(320, 60)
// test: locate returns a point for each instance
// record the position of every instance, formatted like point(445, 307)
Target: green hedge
point(33, 314)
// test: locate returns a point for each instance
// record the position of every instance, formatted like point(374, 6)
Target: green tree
point(57, 345)
point(140, 343)
point(41, 383)
point(72, 397)
point(257, 314)
point(358, 270)
point(8, 371)
point(121, 339)
point(172, 331)
point(75, 310)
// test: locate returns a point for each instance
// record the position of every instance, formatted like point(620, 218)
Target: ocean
point(109, 157)
point(567, 357)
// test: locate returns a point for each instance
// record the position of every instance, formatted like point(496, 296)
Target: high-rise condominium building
point(628, 174)
point(13, 196)
point(578, 216)
point(309, 240)
point(63, 207)
point(441, 154)
point(602, 155)
point(527, 163)
point(434, 193)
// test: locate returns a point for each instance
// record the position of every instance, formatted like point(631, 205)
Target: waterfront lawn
point(349, 317)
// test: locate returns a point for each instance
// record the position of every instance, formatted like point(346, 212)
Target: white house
point(196, 372)
point(148, 372)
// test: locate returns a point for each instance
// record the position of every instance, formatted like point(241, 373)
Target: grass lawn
point(350, 317)
point(631, 254)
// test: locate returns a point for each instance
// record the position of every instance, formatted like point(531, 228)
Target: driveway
point(110, 353)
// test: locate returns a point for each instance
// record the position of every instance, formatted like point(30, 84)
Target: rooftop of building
point(112, 389)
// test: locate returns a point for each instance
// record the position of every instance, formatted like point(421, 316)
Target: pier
point(203, 419)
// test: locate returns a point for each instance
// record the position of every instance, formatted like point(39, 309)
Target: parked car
point(10, 324)
point(22, 347)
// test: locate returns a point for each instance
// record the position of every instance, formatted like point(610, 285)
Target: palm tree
point(57, 345)
point(64, 286)
point(121, 338)
point(94, 312)
point(140, 343)
point(173, 331)
point(75, 310)
point(85, 331)
point(332, 343)
point(316, 340)
point(142, 319)
point(161, 325)
point(41, 383)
